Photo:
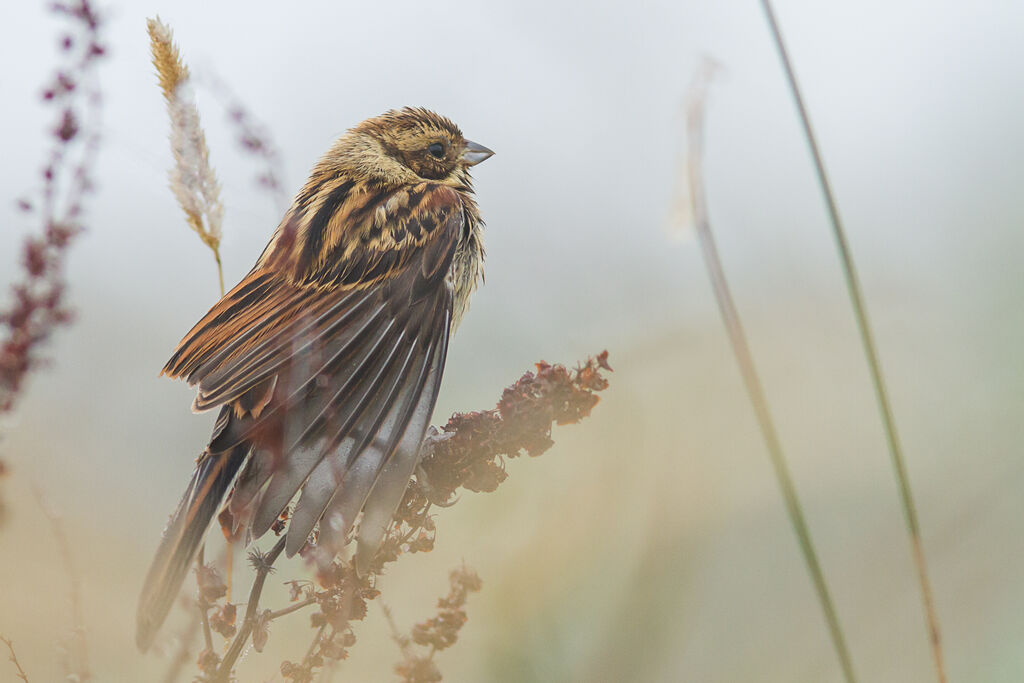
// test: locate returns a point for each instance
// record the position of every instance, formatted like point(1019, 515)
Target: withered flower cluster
point(469, 453)
point(437, 633)
point(38, 306)
point(473, 455)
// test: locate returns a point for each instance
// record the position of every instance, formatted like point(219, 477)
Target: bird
point(325, 360)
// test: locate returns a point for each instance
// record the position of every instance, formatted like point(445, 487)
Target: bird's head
point(407, 146)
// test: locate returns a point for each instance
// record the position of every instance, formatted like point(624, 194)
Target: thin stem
point(400, 640)
point(291, 608)
point(203, 605)
point(870, 351)
point(14, 658)
point(220, 271)
point(229, 550)
point(80, 653)
point(313, 646)
point(262, 571)
point(738, 339)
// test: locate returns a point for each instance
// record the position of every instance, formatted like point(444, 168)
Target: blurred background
point(650, 543)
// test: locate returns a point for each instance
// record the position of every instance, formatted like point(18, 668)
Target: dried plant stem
point(252, 607)
point(229, 567)
point(295, 607)
point(870, 351)
point(79, 664)
point(220, 269)
point(202, 605)
point(738, 339)
point(401, 640)
point(317, 639)
point(14, 658)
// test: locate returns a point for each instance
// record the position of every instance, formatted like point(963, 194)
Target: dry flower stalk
point(192, 179)
point(469, 453)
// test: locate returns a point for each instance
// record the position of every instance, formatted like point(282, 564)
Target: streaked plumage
point(326, 359)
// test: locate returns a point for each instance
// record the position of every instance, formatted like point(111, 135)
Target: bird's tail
point(183, 537)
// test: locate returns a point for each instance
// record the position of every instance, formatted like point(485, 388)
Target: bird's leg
point(432, 438)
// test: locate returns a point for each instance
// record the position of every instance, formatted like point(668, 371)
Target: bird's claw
point(432, 494)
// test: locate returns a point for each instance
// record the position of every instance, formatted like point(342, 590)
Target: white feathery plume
point(192, 179)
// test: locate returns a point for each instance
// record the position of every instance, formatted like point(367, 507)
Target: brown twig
point(295, 607)
point(14, 658)
point(203, 605)
point(400, 639)
point(229, 566)
point(318, 639)
point(264, 565)
point(211, 589)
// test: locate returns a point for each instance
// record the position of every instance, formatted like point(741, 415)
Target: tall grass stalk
point(730, 317)
point(870, 350)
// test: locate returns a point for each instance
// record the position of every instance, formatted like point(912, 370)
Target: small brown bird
point(326, 359)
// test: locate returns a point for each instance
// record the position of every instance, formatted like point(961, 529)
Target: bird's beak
point(474, 153)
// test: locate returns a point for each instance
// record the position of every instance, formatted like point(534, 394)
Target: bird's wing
point(345, 368)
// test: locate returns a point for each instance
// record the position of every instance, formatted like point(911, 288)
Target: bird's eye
point(436, 150)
